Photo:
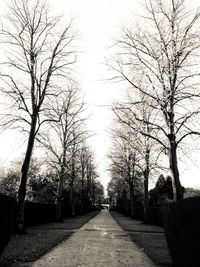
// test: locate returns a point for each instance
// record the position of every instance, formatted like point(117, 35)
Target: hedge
point(34, 213)
point(37, 213)
point(155, 215)
point(138, 212)
point(182, 226)
point(7, 221)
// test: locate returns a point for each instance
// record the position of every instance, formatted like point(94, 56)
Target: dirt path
point(100, 242)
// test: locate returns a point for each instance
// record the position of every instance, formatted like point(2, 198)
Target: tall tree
point(38, 54)
point(163, 53)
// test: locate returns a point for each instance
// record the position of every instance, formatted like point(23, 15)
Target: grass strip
point(40, 239)
point(149, 238)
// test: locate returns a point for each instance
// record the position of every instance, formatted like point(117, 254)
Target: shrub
point(182, 225)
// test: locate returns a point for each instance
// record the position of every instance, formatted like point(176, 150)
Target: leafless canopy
point(159, 60)
point(38, 56)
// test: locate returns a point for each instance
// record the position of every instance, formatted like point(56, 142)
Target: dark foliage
point(191, 192)
point(9, 184)
point(162, 192)
point(42, 188)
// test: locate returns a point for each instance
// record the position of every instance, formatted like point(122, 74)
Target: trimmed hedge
point(155, 215)
point(138, 213)
point(7, 219)
point(34, 213)
point(182, 226)
point(37, 213)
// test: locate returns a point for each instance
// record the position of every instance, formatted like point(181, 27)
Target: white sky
point(99, 22)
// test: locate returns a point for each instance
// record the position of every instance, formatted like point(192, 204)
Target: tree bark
point(59, 195)
point(132, 198)
point(72, 202)
point(60, 185)
point(82, 189)
point(146, 185)
point(24, 177)
point(82, 201)
point(174, 169)
point(87, 191)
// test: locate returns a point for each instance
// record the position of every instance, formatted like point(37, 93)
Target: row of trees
point(81, 187)
point(158, 61)
point(42, 99)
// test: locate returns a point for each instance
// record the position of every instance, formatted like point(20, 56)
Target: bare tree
point(74, 169)
point(135, 115)
point(67, 128)
point(90, 176)
point(38, 54)
point(84, 157)
point(165, 59)
point(83, 175)
point(126, 159)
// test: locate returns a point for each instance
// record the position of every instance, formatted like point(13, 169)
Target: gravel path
point(100, 242)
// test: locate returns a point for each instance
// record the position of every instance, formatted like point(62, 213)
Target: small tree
point(162, 192)
point(67, 129)
point(135, 115)
point(126, 160)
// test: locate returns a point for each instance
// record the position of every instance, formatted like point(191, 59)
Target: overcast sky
point(99, 22)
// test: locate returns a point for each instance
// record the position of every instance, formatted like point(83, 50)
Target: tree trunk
point(146, 185)
point(24, 178)
point(82, 190)
point(59, 195)
point(58, 209)
point(72, 202)
point(174, 169)
point(60, 186)
point(82, 201)
point(88, 191)
point(132, 198)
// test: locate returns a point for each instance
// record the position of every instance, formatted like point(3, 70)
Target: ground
point(40, 239)
point(151, 238)
point(101, 242)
